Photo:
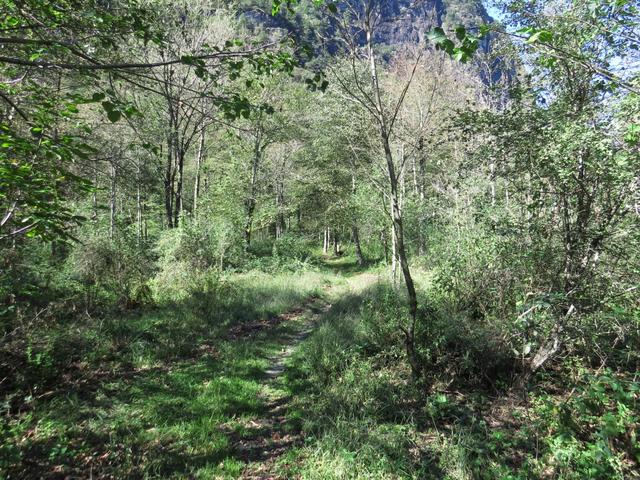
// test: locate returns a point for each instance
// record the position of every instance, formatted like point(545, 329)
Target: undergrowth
point(469, 418)
point(145, 394)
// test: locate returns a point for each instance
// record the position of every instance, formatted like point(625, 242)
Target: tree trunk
point(385, 128)
point(139, 207)
point(394, 257)
point(552, 344)
point(280, 220)
point(385, 245)
point(199, 160)
point(94, 198)
point(356, 242)
point(177, 214)
point(250, 202)
point(354, 228)
point(422, 243)
point(112, 203)
point(396, 216)
point(325, 246)
point(168, 180)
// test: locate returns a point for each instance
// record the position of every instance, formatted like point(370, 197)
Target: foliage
point(593, 432)
point(116, 267)
point(185, 193)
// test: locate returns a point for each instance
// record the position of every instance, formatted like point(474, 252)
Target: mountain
point(403, 21)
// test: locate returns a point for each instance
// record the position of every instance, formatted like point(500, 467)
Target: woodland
point(320, 239)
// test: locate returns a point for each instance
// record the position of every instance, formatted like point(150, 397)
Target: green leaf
point(108, 106)
point(114, 115)
point(544, 36)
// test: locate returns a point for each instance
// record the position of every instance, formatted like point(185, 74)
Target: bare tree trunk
point(250, 202)
point(280, 220)
point(112, 203)
point(94, 198)
point(168, 180)
point(396, 212)
point(492, 181)
point(145, 230)
point(394, 257)
point(177, 214)
point(354, 228)
point(552, 344)
point(199, 160)
point(358, 248)
point(385, 245)
point(325, 246)
point(139, 207)
point(422, 242)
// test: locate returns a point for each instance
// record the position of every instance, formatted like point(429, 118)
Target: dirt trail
point(266, 439)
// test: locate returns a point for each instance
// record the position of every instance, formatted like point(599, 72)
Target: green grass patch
point(156, 394)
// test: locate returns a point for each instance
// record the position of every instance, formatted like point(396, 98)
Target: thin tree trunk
point(325, 246)
point(177, 214)
point(394, 257)
point(492, 181)
point(168, 180)
point(354, 228)
point(94, 198)
point(280, 220)
point(356, 242)
point(199, 160)
point(139, 207)
point(250, 202)
point(396, 212)
point(112, 203)
point(422, 242)
point(385, 245)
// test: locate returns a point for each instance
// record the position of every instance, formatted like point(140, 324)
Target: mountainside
point(403, 21)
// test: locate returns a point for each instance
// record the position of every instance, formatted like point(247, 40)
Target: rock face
point(407, 21)
point(402, 21)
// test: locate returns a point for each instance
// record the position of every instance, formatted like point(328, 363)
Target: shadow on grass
point(360, 417)
point(151, 392)
point(346, 265)
point(354, 397)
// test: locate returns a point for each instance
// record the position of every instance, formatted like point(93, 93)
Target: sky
point(492, 10)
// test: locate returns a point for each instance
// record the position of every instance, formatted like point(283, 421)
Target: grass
point(153, 395)
point(364, 418)
point(172, 392)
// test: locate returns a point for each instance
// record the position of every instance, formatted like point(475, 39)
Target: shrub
point(110, 269)
point(593, 433)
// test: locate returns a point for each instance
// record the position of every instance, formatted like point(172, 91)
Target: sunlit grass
point(153, 393)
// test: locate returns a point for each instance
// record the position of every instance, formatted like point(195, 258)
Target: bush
point(200, 245)
point(111, 269)
point(459, 351)
point(287, 254)
point(593, 433)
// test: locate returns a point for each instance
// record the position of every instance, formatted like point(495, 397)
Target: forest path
point(261, 442)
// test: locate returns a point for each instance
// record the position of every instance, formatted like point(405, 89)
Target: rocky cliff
point(403, 21)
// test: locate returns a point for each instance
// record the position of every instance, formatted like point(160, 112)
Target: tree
point(50, 47)
point(355, 20)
